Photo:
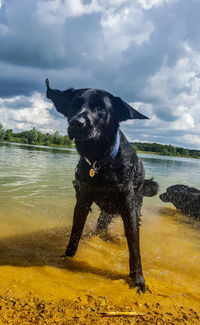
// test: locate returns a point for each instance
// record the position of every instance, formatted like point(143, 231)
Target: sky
point(145, 51)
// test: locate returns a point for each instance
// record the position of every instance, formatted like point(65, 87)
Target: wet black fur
point(118, 185)
point(184, 198)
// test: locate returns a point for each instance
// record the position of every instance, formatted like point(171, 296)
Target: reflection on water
point(36, 207)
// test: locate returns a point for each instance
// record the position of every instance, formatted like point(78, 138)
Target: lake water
point(36, 184)
point(36, 208)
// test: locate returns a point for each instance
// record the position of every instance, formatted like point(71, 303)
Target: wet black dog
point(109, 172)
point(184, 198)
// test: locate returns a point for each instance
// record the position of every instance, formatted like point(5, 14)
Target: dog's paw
point(63, 256)
point(69, 253)
point(138, 282)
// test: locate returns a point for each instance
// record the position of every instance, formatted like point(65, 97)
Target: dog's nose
point(76, 123)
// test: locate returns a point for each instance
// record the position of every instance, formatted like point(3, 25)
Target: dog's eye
point(97, 109)
point(100, 112)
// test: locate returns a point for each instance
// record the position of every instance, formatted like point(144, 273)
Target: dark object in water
point(150, 188)
point(109, 172)
point(184, 198)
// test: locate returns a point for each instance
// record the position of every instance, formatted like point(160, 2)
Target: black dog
point(184, 198)
point(109, 172)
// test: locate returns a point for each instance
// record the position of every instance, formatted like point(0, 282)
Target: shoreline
point(73, 148)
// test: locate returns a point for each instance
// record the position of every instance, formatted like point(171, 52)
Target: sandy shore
point(151, 308)
point(38, 287)
point(96, 310)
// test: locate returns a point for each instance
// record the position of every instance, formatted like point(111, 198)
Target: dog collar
point(116, 147)
point(113, 154)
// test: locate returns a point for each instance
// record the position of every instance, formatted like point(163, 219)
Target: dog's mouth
point(164, 197)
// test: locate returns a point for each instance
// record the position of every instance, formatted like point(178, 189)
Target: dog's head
point(91, 113)
point(174, 193)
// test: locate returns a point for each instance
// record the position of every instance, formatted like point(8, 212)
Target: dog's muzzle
point(164, 197)
point(76, 128)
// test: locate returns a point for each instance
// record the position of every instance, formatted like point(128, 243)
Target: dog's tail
point(150, 188)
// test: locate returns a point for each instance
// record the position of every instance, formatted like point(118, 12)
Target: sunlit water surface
point(36, 208)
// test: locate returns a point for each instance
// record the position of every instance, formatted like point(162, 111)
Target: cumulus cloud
point(147, 52)
point(148, 4)
point(31, 111)
point(55, 12)
point(123, 27)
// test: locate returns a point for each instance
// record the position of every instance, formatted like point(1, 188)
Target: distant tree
point(172, 150)
point(40, 137)
point(165, 151)
point(8, 135)
point(32, 136)
point(183, 152)
point(67, 142)
point(2, 133)
point(46, 139)
point(57, 139)
point(50, 138)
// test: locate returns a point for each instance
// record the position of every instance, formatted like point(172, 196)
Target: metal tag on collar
point(92, 170)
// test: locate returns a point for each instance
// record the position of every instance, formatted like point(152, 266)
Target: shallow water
point(36, 207)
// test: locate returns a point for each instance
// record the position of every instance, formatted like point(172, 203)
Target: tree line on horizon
point(166, 150)
point(35, 137)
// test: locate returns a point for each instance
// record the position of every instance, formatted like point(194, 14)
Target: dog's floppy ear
point(60, 98)
point(125, 111)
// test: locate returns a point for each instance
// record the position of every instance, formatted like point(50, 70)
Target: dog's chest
point(110, 184)
point(108, 197)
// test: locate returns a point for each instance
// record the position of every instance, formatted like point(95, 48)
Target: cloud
point(148, 4)
point(147, 52)
point(177, 87)
point(123, 27)
point(38, 112)
point(57, 11)
point(18, 102)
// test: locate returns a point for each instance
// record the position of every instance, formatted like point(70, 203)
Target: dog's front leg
point(81, 210)
point(130, 216)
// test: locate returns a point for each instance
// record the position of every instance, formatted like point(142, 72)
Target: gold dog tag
point(92, 171)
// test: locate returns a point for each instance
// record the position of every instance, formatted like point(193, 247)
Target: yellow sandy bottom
point(38, 287)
